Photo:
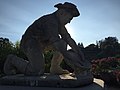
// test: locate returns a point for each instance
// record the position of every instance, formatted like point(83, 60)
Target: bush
point(107, 66)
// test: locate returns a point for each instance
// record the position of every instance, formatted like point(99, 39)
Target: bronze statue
point(49, 30)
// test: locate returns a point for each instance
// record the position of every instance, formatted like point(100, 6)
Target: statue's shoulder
point(47, 17)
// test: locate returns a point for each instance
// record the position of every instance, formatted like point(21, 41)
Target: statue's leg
point(55, 64)
point(14, 64)
point(36, 64)
point(36, 60)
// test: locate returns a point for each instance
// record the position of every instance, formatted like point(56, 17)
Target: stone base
point(46, 80)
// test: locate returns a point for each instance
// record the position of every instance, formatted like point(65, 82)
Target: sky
point(98, 18)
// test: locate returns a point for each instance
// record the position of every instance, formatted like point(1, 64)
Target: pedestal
point(46, 80)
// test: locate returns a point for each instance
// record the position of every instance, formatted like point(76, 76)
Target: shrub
point(110, 65)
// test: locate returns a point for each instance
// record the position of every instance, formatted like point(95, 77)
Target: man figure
point(49, 30)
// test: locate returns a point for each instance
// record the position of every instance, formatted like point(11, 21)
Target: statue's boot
point(14, 64)
point(55, 64)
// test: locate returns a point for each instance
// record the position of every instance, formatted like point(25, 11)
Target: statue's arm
point(66, 36)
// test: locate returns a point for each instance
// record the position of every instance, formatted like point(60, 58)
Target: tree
point(109, 47)
point(6, 47)
point(91, 52)
point(113, 41)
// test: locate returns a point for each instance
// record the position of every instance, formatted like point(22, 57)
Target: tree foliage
point(108, 47)
point(6, 47)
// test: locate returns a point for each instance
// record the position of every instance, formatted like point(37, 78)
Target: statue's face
point(66, 17)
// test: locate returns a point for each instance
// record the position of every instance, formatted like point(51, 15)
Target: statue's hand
point(81, 54)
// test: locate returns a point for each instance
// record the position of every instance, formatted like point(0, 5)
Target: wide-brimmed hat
point(70, 7)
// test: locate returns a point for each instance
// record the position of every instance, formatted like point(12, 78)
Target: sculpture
point(49, 30)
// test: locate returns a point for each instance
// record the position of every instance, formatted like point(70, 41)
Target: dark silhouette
point(49, 31)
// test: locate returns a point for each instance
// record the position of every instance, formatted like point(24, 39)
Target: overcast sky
point(98, 19)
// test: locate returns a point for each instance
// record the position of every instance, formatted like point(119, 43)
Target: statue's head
point(66, 12)
point(69, 7)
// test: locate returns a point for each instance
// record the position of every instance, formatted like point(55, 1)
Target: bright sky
point(98, 19)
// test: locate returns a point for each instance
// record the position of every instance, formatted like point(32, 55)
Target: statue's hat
point(69, 7)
